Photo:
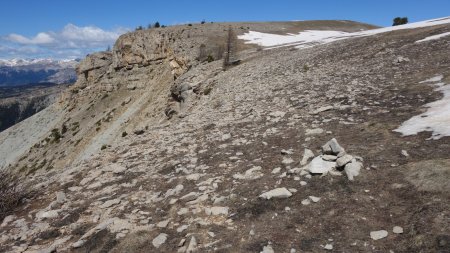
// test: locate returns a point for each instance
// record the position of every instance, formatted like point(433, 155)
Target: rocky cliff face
point(291, 150)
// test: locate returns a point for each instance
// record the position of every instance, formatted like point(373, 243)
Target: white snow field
point(310, 38)
point(436, 119)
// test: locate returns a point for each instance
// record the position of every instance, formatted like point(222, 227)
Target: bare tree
point(202, 54)
point(230, 49)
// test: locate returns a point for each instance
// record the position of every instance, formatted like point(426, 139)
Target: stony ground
point(193, 183)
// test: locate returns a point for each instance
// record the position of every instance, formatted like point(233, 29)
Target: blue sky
point(66, 29)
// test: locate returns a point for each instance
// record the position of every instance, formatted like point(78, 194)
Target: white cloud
point(71, 40)
point(88, 33)
point(40, 38)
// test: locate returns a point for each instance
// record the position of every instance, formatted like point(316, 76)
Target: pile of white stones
point(333, 160)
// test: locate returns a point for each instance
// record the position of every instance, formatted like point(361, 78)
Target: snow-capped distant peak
point(25, 62)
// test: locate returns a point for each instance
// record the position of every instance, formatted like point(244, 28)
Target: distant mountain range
point(16, 72)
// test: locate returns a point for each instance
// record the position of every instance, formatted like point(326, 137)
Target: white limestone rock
point(353, 169)
point(319, 166)
point(250, 174)
point(307, 155)
point(278, 193)
point(377, 235)
point(159, 240)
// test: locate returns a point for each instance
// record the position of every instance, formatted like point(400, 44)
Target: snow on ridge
point(271, 40)
point(436, 119)
point(310, 38)
point(434, 37)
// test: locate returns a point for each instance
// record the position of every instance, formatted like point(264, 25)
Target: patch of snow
point(436, 119)
point(434, 37)
point(437, 78)
point(310, 38)
point(271, 40)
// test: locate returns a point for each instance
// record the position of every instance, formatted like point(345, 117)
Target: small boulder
point(267, 249)
point(353, 169)
point(397, 230)
point(159, 240)
point(278, 193)
point(307, 155)
point(61, 197)
point(332, 147)
point(343, 160)
point(319, 166)
point(377, 235)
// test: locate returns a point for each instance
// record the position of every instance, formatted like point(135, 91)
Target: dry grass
point(12, 191)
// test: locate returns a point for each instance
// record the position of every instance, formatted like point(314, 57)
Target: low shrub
point(12, 192)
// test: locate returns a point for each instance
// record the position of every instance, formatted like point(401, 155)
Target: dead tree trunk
point(230, 49)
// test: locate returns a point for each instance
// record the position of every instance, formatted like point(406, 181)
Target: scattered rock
point(159, 240)
point(110, 203)
point(377, 235)
point(216, 210)
point(306, 202)
point(190, 196)
point(405, 153)
point(192, 247)
point(52, 214)
point(314, 131)
point(329, 158)
point(307, 155)
point(8, 219)
point(322, 109)
point(278, 193)
point(163, 224)
point(332, 148)
point(61, 197)
point(328, 246)
point(314, 199)
point(397, 230)
point(267, 249)
point(276, 170)
point(78, 244)
point(287, 160)
point(343, 160)
point(319, 166)
point(226, 137)
point(353, 169)
point(250, 174)
point(182, 228)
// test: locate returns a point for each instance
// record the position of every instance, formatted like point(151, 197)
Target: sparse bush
point(207, 90)
point(400, 21)
point(210, 58)
point(305, 68)
point(104, 146)
point(203, 21)
point(63, 129)
point(189, 24)
point(55, 135)
point(12, 191)
point(124, 134)
point(139, 28)
point(157, 25)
